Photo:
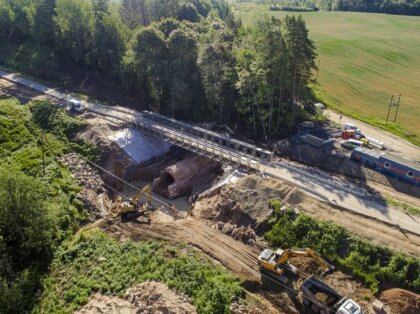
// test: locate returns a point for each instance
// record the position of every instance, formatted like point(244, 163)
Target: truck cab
point(75, 105)
point(349, 307)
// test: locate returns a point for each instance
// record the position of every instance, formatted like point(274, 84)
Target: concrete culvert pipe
point(176, 180)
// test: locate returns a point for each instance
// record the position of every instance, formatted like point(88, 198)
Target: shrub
point(76, 274)
point(372, 263)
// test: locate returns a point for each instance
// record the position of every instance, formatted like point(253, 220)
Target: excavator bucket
point(329, 270)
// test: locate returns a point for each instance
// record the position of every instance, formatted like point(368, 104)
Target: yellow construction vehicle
point(275, 264)
point(131, 208)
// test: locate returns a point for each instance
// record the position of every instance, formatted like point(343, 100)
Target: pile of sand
point(148, 297)
point(401, 301)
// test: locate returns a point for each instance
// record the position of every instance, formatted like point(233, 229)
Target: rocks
point(378, 307)
point(242, 233)
point(83, 172)
point(238, 308)
point(149, 297)
point(102, 259)
point(94, 194)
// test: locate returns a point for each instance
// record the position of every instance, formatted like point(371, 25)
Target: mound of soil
point(243, 204)
point(401, 301)
point(148, 297)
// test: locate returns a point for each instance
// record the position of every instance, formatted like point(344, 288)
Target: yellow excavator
point(275, 264)
point(130, 208)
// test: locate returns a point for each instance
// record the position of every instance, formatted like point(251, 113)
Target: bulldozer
point(130, 209)
point(276, 264)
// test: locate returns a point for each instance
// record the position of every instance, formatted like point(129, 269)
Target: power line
point(127, 183)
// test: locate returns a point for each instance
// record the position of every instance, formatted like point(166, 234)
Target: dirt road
point(239, 258)
point(396, 144)
point(236, 256)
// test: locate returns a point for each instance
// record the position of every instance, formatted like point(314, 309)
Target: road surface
point(395, 144)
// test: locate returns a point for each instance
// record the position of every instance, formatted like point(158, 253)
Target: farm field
point(364, 59)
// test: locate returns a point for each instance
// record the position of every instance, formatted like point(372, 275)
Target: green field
point(364, 59)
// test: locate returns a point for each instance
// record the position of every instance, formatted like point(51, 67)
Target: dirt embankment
point(231, 205)
point(401, 301)
point(251, 195)
point(148, 297)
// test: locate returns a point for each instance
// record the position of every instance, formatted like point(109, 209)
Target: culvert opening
point(165, 181)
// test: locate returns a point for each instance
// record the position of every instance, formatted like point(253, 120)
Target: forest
point(403, 7)
point(189, 59)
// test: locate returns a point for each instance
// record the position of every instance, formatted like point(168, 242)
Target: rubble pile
point(93, 193)
point(149, 297)
point(237, 308)
point(239, 233)
point(155, 297)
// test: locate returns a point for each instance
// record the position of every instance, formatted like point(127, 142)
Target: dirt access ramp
point(239, 258)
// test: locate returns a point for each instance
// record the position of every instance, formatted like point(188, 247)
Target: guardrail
point(240, 146)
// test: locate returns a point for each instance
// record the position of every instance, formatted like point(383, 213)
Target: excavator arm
point(146, 191)
point(285, 255)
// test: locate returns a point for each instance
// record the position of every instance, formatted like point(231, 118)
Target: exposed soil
point(246, 202)
point(401, 301)
point(148, 297)
point(239, 258)
point(93, 194)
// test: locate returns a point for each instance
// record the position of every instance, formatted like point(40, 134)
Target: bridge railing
point(192, 144)
point(239, 146)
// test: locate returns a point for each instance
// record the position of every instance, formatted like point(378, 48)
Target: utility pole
point(393, 102)
point(43, 155)
point(317, 69)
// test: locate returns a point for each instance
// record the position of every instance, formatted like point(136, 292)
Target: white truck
point(75, 105)
point(323, 299)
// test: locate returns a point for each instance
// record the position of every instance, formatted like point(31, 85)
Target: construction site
point(162, 179)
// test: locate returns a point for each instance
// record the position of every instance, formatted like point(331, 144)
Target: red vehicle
point(348, 134)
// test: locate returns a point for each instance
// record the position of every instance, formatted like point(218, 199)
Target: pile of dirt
point(238, 308)
point(401, 301)
point(245, 204)
point(93, 194)
point(97, 132)
point(244, 234)
point(149, 297)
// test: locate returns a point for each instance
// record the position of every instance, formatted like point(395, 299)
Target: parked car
point(75, 105)
point(351, 144)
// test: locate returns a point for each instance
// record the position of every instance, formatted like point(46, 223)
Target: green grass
point(364, 58)
point(76, 273)
point(377, 266)
point(408, 208)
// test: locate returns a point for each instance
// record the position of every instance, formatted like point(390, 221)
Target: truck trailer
point(323, 299)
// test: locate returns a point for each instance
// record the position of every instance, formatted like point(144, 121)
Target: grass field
point(364, 59)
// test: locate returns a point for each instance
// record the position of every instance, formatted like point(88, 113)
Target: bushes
point(37, 211)
point(55, 120)
point(76, 273)
point(374, 264)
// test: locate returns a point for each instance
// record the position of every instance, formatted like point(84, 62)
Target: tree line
point(403, 7)
point(189, 59)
